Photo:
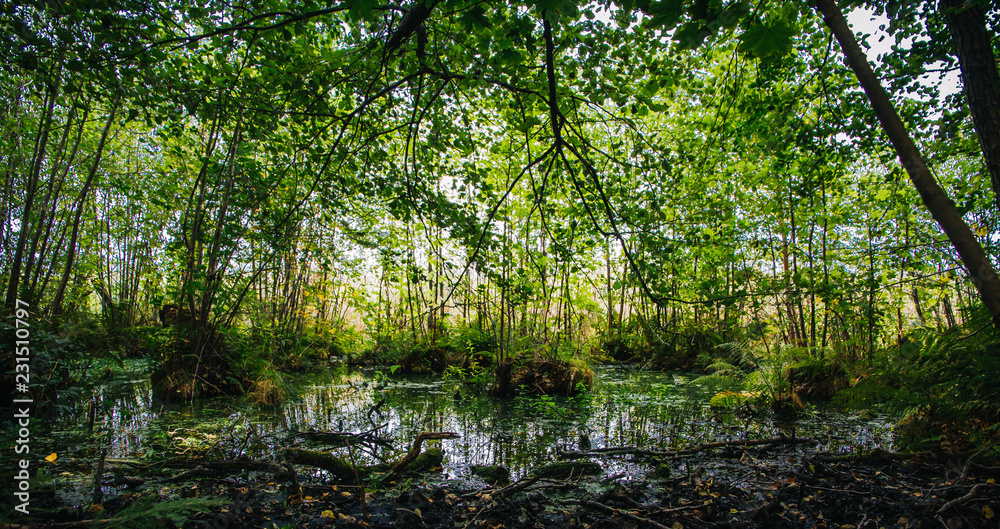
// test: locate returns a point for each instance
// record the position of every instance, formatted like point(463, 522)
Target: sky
point(863, 21)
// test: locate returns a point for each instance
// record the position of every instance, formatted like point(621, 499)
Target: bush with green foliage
point(942, 383)
point(776, 379)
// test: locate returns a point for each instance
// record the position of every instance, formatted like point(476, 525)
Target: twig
point(838, 490)
point(605, 508)
point(960, 500)
point(613, 477)
point(364, 494)
point(683, 508)
point(509, 489)
point(968, 465)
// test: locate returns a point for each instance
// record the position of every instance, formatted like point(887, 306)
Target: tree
point(977, 263)
point(973, 45)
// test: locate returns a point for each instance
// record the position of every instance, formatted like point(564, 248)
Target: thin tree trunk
point(81, 201)
point(42, 139)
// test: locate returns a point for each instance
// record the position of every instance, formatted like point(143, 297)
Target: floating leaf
point(51, 457)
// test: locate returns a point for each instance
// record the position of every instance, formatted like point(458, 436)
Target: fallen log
point(414, 453)
point(413, 461)
point(338, 467)
point(342, 439)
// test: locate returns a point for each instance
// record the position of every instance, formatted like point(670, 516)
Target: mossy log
point(414, 454)
point(336, 466)
point(492, 473)
point(428, 459)
point(413, 461)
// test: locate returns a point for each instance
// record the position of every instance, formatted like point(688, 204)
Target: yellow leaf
point(987, 512)
point(991, 480)
point(328, 514)
point(51, 457)
point(677, 525)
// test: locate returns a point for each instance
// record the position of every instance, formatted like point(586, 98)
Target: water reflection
point(626, 408)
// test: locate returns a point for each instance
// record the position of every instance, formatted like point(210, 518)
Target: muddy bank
point(546, 377)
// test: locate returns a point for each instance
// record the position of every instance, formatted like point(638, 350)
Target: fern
point(732, 399)
point(147, 512)
point(721, 373)
point(739, 353)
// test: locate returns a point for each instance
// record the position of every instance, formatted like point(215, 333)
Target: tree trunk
point(41, 143)
point(974, 48)
point(941, 207)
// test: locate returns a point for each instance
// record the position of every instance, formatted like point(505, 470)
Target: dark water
point(627, 407)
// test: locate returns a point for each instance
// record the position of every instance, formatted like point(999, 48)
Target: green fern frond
point(148, 511)
point(732, 399)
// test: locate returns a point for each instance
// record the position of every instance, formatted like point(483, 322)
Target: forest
point(470, 263)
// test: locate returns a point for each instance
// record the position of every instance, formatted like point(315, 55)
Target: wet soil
point(781, 482)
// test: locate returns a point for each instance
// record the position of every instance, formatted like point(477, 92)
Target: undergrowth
point(943, 383)
point(154, 512)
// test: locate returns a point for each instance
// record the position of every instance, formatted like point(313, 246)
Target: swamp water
point(627, 407)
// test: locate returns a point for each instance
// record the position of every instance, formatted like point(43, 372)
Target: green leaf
point(764, 40)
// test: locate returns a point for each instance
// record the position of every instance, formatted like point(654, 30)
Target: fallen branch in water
point(414, 452)
point(629, 450)
point(413, 461)
point(343, 439)
point(509, 489)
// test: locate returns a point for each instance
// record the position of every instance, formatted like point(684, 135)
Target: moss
point(492, 473)
point(336, 466)
point(428, 459)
